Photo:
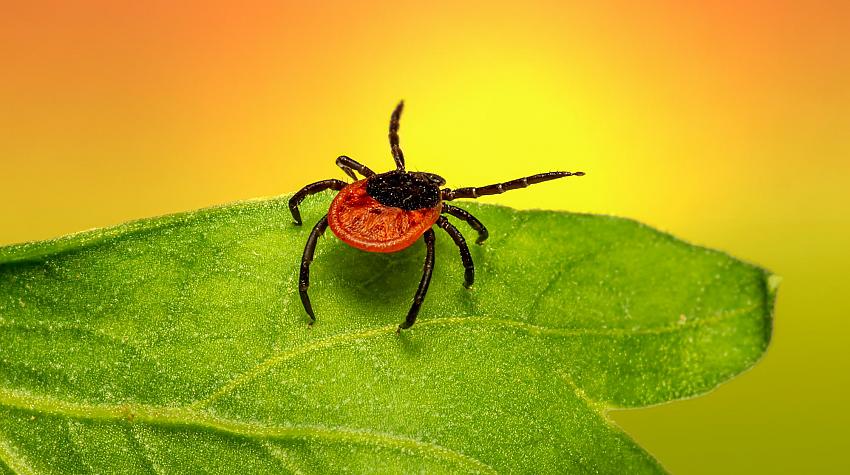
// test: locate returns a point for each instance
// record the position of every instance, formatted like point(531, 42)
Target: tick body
point(361, 221)
point(390, 211)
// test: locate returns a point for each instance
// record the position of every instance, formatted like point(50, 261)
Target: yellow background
point(725, 123)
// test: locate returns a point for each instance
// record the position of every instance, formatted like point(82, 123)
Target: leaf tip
point(773, 282)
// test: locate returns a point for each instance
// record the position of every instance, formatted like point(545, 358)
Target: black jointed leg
point(350, 165)
point(423, 284)
point(398, 156)
point(465, 257)
point(308, 190)
point(473, 222)
point(306, 259)
point(495, 189)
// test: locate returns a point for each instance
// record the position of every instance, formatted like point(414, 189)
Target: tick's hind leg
point(473, 222)
point(311, 189)
point(423, 283)
point(465, 257)
point(306, 259)
point(350, 165)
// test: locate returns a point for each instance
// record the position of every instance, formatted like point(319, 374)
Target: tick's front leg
point(312, 188)
point(306, 259)
point(349, 166)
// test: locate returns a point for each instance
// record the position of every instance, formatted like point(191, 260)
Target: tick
point(387, 212)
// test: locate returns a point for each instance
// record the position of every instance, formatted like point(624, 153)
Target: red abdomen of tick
point(362, 222)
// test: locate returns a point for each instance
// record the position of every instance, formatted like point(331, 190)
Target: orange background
point(726, 123)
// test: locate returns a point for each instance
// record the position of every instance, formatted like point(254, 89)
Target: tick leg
point(473, 222)
point(465, 257)
point(498, 188)
point(349, 166)
point(306, 259)
point(423, 284)
point(311, 189)
point(398, 156)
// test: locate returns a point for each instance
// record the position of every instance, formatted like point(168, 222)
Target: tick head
point(431, 178)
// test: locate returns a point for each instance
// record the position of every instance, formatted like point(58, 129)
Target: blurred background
point(726, 123)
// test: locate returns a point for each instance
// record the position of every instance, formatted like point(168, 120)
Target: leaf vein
point(599, 409)
point(143, 449)
point(282, 457)
point(272, 361)
point(186, 417)
point(592, 405)
point(11, 459)
point(388, 330)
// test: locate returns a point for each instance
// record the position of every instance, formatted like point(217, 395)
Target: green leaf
point(179, 344)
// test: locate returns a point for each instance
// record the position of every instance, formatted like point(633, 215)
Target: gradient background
point(725, 123)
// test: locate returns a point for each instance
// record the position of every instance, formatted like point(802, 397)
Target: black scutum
point(405, 190)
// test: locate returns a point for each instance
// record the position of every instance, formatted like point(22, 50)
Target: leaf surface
point(179, 344)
